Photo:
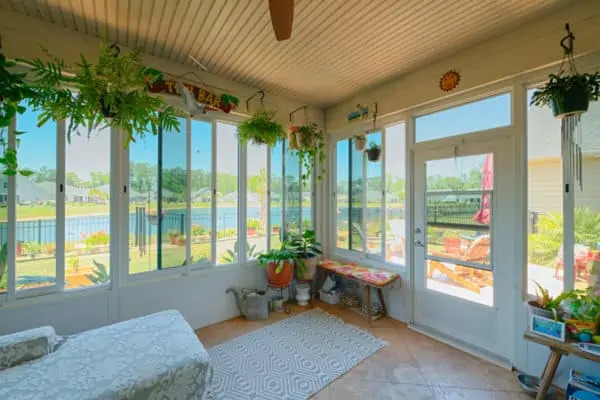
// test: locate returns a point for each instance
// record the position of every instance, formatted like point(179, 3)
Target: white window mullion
point(383, 195)
point(11, 269)
point(364, 211)
point(213, 219)
point(242, 203)
point(188, 195)
point(283, 194)
point(300, 197)
point(268, 177)
point(60, 204)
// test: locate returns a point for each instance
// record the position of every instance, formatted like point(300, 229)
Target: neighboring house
point(202, 195)
point(545, 163)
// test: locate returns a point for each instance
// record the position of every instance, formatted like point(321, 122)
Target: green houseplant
point(261, 129)
point(311, 150)
point(279, 264)
point(307, 249)
point(568, 94)
point(113, 91)
point(547, 306)
point(13, 92)
point(373, 152)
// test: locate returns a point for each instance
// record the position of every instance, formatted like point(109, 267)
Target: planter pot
point(276, 230)
point(251, 231)
point(536, 310)
point(302, 294)
point(106, 109)
point(581, 330)
point(277, 303)
point(374, 154)
point(292, 137)
point(283, 278)
point(575, 101)
point(360, 143)
point(310, 268)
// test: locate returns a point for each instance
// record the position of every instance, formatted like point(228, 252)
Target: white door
point(463, 243)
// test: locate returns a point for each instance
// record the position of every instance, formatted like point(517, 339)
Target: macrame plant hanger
point(571, 133)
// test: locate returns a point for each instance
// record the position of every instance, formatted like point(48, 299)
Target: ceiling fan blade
point(282, 18)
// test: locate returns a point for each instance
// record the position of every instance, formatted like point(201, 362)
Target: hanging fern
point(261, 129)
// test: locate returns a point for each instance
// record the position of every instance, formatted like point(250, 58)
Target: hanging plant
point(229, 102)
point(360, 142)
point(311, 150)
point(261, 129)
point(292, 136)
point(13, 92)
point(374, 152)
point(114, 91)
point(568, 92)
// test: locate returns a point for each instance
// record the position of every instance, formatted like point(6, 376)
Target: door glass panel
point(292, 193)
point(201, 191)
point(458, 237)
point(307, 186)
point(488, 113)
point(3, 216)
point(36, 204)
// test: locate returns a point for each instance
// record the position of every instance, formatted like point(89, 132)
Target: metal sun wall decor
point(449, 81)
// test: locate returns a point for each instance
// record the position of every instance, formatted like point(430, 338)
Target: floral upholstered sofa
point(153, 357)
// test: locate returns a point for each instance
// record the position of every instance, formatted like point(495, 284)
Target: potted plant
point(360, 142)
point(374, 152)
point(452, 242)
point(279, 265)
point(307, 249)
point(568, 94)
point(229, 102)
point(292, 134)
point(261, 129)
point(584, 318)
point(113, 91)
point(547, 306)
point(276, 229)
point(311, 150)
point(253, 226)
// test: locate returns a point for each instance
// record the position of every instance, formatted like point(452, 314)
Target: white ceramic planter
point(302, 294)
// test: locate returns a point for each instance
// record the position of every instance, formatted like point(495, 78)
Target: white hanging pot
point(360, 142)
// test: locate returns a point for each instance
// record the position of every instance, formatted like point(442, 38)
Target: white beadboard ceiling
point(337, 47)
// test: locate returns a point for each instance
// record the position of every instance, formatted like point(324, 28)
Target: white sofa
point(153, 357)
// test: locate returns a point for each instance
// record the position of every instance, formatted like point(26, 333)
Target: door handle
point(419, 243)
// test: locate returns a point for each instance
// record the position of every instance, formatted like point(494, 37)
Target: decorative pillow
point(27, 345)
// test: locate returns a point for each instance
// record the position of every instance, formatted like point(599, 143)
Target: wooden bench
point(365, 276)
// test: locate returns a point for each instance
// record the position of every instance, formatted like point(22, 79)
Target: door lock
point(419, 243)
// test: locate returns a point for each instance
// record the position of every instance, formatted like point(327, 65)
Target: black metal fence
point(451, 213)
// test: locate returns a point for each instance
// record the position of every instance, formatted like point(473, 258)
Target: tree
point(74, 180)
point(99, 179)
point(258, 184)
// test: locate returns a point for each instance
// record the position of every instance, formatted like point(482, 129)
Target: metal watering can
point(252, 303)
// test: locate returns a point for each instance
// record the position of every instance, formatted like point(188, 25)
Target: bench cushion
point(372, 276)
point(25, 346)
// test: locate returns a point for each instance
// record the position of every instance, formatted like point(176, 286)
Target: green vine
point(311, 150)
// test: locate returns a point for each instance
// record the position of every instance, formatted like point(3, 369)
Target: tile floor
point(411, 367)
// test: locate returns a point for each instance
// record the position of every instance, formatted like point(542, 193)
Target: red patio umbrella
point(487, 183)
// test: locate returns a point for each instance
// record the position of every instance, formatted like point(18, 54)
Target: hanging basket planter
point(261, 128)
point(292, 136)
point(575, 101)
point(374, 154)
point(360, 142)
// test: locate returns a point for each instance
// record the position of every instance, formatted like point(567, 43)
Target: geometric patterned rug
point(291, 359)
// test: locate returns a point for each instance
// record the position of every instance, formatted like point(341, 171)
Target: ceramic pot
point(310, 268)
point(374, 154)
point(575, 101)
point(536, 310)
point(302, 294)
point(292, 137)
point(281, 279)
point(360, 143)
point(277, 303)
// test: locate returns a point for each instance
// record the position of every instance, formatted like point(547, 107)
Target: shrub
point(99, 238)
point(32, 249)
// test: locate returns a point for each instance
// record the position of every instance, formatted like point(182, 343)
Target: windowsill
point(363, 259)
point(38, 298)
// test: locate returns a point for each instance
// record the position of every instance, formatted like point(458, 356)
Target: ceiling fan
point(282, 18)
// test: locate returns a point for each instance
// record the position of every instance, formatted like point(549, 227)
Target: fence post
point(39, 231)
point(182, 223)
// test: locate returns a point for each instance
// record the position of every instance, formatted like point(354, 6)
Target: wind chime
point(571, 132)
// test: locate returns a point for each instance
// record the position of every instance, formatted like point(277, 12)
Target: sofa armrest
point(27, 345)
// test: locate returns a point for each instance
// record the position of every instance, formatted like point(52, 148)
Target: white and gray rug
point(291, 359)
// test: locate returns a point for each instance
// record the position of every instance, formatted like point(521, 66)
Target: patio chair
point(468, 277)
point(397, 230)
point(583, 256)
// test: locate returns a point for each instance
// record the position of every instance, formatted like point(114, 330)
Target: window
point(395, 193)
point(256, 199)
point(276, 195)
point(547, 217)
point(227, 193)
point(201, 192)
point(36, 224)
point(369, 197)
point(470, 117)
point(87, 208)
point(3, 217)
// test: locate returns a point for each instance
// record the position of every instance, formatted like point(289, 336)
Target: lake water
point(44, 230)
